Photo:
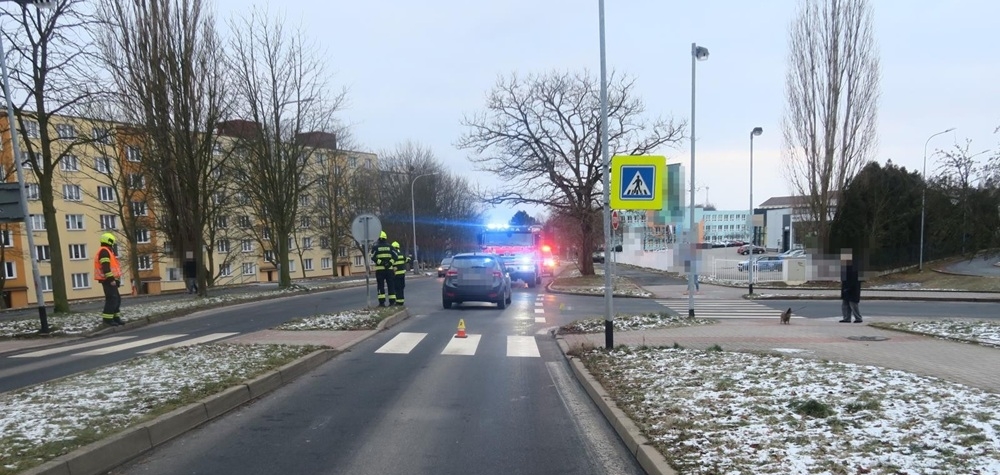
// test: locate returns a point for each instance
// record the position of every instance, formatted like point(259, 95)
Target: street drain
point(867, 338)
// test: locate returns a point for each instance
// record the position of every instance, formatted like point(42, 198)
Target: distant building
point(780, 215)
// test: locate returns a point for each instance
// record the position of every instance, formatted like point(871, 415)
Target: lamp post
point(753, 133)
point(698, 53)
point(923, 198)
point(16, 150)
point(609, 324)
point(413, 217)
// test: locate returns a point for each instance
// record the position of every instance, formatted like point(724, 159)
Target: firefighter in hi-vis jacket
point(384, 258)
point(108, 272)
point(400, 283)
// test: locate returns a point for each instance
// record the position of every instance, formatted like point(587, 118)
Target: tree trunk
point(60, 301)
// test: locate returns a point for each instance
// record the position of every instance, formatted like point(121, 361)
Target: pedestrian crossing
point(124, 343)
point(518, 346)
point(730, 308)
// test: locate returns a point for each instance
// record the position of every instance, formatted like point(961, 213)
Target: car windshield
point(446, 261)
point(473, 262)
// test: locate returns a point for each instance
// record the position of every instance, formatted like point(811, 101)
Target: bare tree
point(832, 94)
point(280, 81)
point(50, 60)
point(541, 136)
point(166, 60)
point(332, 206)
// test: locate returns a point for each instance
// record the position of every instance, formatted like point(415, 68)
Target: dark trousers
point(399, 286)
point(386, 287)
point(849, 308)
point(112, 300)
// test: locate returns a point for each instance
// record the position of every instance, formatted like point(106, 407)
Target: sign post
point(365, 228)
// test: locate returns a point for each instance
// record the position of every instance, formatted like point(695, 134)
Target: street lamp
point(16, 150)
point(413, 216)
point(923, 198)
point(753, 133)
point(698, 53)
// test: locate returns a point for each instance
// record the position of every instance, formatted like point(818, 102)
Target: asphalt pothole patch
point(868, 338)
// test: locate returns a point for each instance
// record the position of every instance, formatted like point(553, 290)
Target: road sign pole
point(609, 336)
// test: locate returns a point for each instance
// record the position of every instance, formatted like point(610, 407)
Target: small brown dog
point(786, 316)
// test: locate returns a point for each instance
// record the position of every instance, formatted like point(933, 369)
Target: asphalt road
point(979, 265)
point(382, 413)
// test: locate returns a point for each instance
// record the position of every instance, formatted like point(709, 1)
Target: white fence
point(737, 271)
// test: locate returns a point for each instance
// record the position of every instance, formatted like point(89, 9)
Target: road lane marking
point(402, 343)
point(193, 341)
point(522, 346)
point(462, 346)
point(131, 344)
point(539, 319)
point(539, 310)
point(63, 349)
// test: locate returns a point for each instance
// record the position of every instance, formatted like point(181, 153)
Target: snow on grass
point(83, 322)
point(41, 422)
point(572, 280)
point(982, 332)
point(361, 319)
point(624, 322)
point(713, 412)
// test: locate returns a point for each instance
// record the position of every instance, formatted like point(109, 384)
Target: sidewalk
point(714, 291)
point(823, 338)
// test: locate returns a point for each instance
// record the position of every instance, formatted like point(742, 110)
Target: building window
point(105, 193)
point(247, 245)
point(109, 221)
point(305, 222)
point(77, 251)
point(31, 129)
point(46, 283)
point(241, 198)
point(357, 261)
point(304, 200)
point(66, 131)
point(249, 268)
point(225, 270)
point(42, 253)
point(326, 263)
point(269, 256)
point(142, 236)
point(100, 135)
point(136, 181)
point(37, 222)
point(69, 163)
point(71, 192)
point(168, 248)
point(103, 164)
point(145, 262)
point(7, 238)
point(291, 266)
point(218, 198)
point(81, 280)
point(173, 273)
point(352, 162)
point(323, 220)
point(133, 154)
point(222, 245)
point(266, 233)
point(29, 159)
point(307, 264)
point(74, 222)
point(221, 222)
point(244, 222)
point(10, 270)
point(33, 191)
point(343, 251)
point(307, 243)
point(139, 208)
point(324, 242)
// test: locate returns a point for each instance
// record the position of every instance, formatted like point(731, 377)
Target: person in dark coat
point(850, 288)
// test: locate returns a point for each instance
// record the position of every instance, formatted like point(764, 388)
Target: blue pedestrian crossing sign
point(637, 181)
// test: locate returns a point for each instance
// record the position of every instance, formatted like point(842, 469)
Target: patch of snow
point(348, 320)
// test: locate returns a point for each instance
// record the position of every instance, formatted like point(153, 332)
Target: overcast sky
point(414, 68)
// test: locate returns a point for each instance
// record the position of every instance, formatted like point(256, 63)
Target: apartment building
point(99, 186)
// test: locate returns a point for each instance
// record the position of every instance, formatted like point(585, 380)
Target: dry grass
point(929, 279)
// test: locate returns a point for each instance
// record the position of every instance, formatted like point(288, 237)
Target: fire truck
point(521, 249)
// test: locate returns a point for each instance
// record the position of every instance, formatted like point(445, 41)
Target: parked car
point(445, 264)
point(476, 277)
point(792, 253)
point(599, 256)
point(549, 264)
point(747, 248)
point(761, 264)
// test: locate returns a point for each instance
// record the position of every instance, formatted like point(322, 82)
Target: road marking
point(539, 304)
point(131, 344)
point(539, 310)
point(462, 346)
point(63, 349)
point(522, 346)
point(539, 319)
point(193, 341)
point(402, 343)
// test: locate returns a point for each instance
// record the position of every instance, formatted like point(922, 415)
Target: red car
point(746, 249)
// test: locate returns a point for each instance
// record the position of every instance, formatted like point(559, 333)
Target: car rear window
point(473, 261)
point(446, 261)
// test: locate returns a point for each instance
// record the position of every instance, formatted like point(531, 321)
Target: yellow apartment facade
point(99, 186)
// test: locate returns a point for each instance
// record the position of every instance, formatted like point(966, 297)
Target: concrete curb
point(104, 455)
point(650, 459)
point(101, 456)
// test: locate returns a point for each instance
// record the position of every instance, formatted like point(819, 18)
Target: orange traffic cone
point(461, 329)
